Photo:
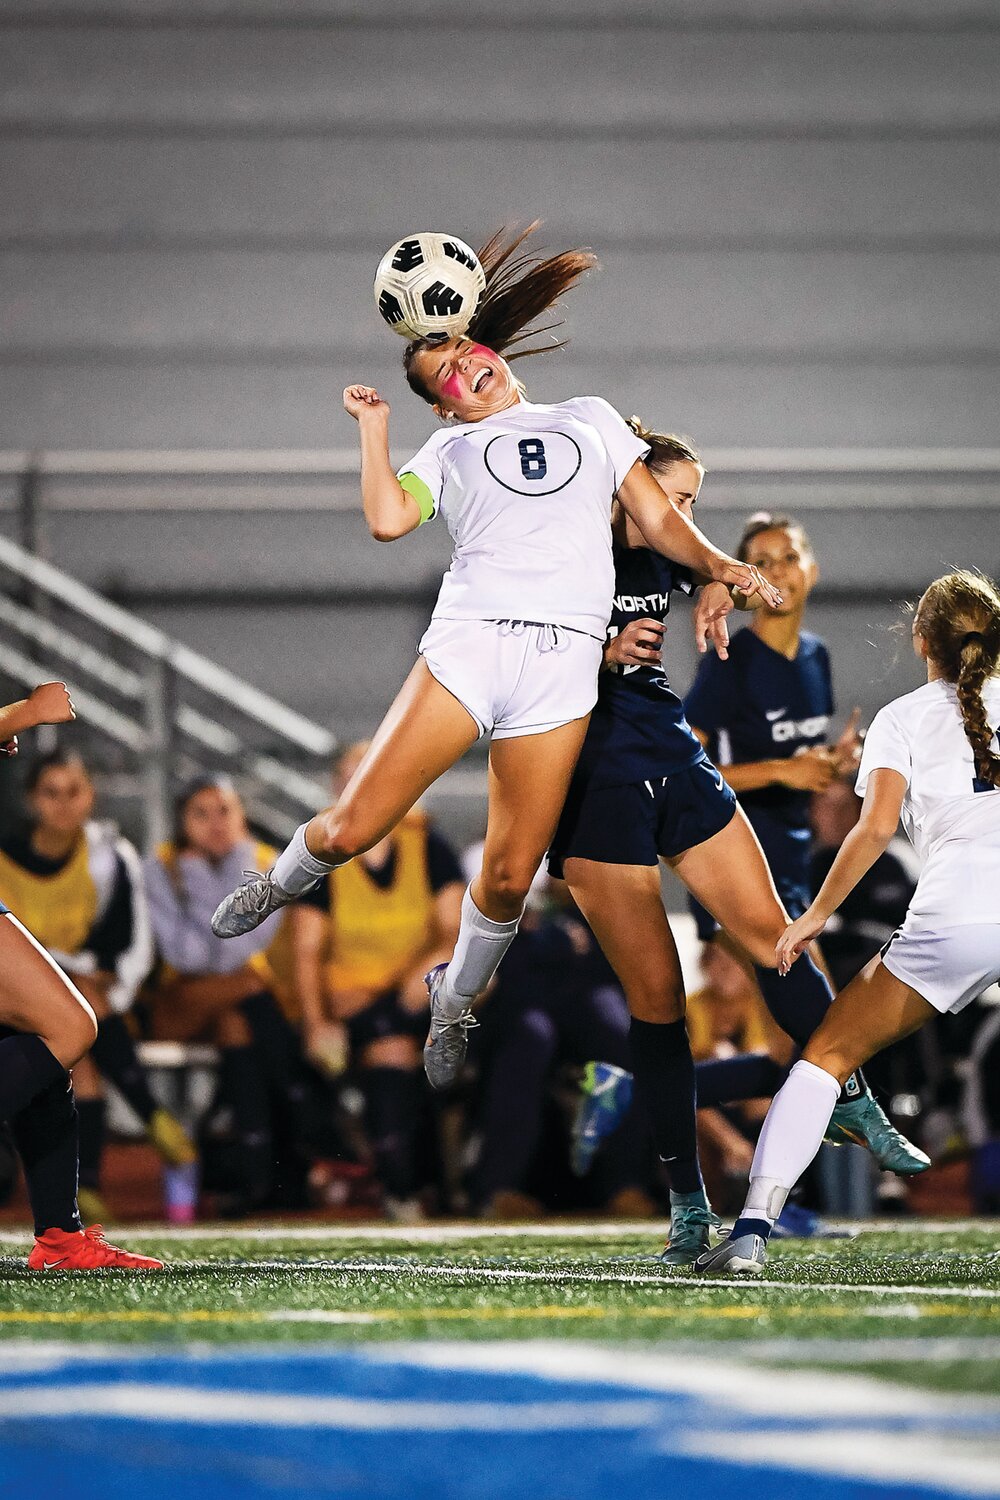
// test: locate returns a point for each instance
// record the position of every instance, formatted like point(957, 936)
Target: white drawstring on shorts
point(550, 637)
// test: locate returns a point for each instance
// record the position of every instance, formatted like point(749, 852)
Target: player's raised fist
point(362, 399)
point(51, 703)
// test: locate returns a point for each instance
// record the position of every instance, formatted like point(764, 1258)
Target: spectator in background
point(556, 1001)
point(78, 887)
point(225, 993)
point(364, 938)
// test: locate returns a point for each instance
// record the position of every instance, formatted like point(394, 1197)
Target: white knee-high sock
point(481, 945)
point(789, 1138)
point(295, 869)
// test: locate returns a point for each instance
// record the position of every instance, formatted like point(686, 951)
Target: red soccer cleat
point(85, 1250)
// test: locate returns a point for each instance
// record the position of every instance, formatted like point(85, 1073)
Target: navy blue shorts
point(644, 821)
point(787, 851)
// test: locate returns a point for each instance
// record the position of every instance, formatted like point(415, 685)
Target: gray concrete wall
point(795, 203)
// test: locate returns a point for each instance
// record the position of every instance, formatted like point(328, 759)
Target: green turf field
point(919, 1303)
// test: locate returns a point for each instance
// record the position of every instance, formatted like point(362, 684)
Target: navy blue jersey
point(760, 706)
point(638, 730)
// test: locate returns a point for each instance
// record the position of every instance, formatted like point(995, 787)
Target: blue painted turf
point(640, 1457)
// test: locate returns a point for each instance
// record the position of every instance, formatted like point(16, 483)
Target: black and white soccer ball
point(429, 283)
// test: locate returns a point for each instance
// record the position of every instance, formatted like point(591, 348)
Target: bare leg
point(874, 1010)
point(731, 878)
point(425, 731)
point(528, 781)
point(529, 777)
point(623, 905)
point(36, 997)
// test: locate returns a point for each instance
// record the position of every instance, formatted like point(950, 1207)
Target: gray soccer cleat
point(448, 1039)
point(250, 904)
point(742, 1257)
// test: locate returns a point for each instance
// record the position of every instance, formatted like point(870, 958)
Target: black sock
point(798, 1002)
point(243, 1087)
point(664, 1086)
point(26, 1068)
point(91, 1113)
point(115, 1056)
point(393, 1097)
point(45, 1133)
point(725, 1080)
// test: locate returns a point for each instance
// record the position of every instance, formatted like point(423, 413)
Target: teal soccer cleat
point(605, 1095)
point(691, 1225)
point(862, 1122)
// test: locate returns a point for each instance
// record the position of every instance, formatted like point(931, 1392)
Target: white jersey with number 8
point(526, 495)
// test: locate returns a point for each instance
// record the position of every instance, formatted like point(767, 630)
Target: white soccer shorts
point(950, 967)
point(513, 676)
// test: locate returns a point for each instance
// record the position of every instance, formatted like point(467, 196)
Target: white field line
point(164, 1403)
point(501, 1275)
point(447, 1233)
point(777, 1393)
point(51, 1354)
point(664, 1281)
point(955, 1464)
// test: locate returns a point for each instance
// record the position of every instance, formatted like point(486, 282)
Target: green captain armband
point(415, 486)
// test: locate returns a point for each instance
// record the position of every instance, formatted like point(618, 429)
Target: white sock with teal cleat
point(789, 1139)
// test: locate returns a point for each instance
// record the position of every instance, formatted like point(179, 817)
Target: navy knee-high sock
point(115, 1056)
point(393, 1097)
point(798, 1002)
point(726, 1080)
point(664, 1083)
point(26, 1068)
point(45, 1134)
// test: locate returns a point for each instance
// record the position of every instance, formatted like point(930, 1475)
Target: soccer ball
point(429, 283)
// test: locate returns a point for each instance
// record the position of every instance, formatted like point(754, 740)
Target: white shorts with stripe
point(949, 967)
point(515, 677)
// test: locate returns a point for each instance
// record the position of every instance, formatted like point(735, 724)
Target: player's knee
point(656, 1002)
point(339, 835)
point(75, 1032)
point(505, 885)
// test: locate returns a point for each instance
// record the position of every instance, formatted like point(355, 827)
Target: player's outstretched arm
point(868, 839)
point(389, 511)
point(671, 533)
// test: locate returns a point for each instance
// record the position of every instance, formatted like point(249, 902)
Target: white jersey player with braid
point(931, 760)
point(514, 646)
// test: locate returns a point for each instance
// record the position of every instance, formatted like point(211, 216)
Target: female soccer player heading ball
point(515, 642)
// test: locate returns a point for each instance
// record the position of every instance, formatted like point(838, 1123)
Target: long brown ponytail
point(520, 288)
point(959, 618)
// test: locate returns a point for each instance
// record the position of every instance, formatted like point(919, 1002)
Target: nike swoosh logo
point(50, 1265)
point(775, 713)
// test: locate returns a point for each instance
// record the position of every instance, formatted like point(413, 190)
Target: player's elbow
point(387, 531)
point(879, 829)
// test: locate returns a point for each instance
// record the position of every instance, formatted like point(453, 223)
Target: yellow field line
point(453, 1314)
